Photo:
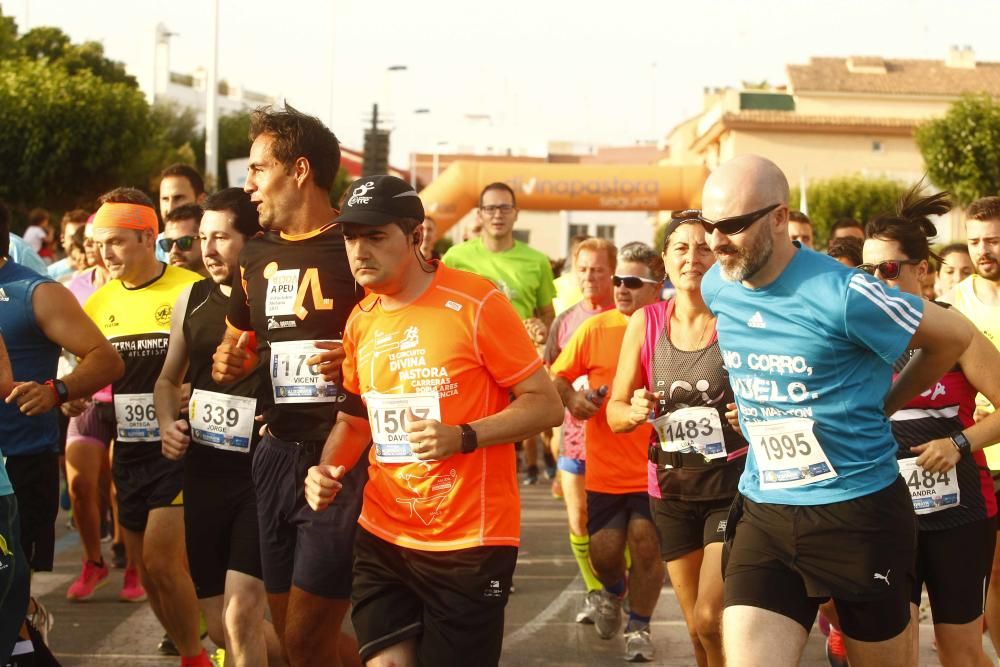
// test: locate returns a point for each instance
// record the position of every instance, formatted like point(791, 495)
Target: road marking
point(573, 589)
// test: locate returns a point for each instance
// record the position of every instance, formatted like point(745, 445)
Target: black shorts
point(15, 577)
point(35, 478)
point(788, 559)
point(143, 486)
point(957, 594)
point(310, 550)
point(615, 510)
point(684, 526)
point(220, 528)
point(451, 601)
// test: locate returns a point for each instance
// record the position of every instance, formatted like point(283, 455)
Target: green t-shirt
point(521, 273)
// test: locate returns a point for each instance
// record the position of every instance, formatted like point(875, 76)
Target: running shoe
point(608, 619)
point(166, 646)
point(39, 618)
point(835, 651)
point(219, 657)
point(118, 560)
point(638, 645)
point(92, 577)
point(588, 610)
point(530, 479)
point(132, 590)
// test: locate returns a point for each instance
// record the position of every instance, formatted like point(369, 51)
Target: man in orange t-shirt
point(617, 503)
point(435, 353)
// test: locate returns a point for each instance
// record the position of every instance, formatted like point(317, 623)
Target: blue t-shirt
point(819, 342)
point(32, 357)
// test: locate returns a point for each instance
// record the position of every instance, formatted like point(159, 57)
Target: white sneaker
point(609, 614)
point(588, 610)
point(638, 645)
point(40, 618)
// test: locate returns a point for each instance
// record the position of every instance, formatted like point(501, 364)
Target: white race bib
point(696, 429)
point(387, 417)
point(135, 416)
point(222, 421)
point(930, 491)
point(788, 454)
point(295, 381)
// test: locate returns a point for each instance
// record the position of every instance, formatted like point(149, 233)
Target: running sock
point(628, 558)
point(635, 621)
point(617, 589)
point(580, 545)
point(201, 660)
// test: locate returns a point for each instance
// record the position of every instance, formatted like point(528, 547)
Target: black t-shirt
point(204, 325)
point(296, 289)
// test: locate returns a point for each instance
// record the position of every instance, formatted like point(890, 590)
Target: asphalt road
point(539, 629)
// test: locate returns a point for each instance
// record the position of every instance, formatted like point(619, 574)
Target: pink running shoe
point(132, 590)
point(92, 577)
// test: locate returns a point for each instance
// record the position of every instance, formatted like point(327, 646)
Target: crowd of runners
point(291, 417)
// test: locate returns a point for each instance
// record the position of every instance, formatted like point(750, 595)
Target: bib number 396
point(135, 417)
point(788, 454)
point(930, 491)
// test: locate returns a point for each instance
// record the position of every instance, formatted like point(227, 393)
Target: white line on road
point(573, 590)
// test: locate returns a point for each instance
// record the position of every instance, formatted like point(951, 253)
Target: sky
point(527, 71)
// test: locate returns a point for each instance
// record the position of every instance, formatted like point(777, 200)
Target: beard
point(992, 274)
point(747, 261)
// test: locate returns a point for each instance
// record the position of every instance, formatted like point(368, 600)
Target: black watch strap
point(470, 441)
point(961, 443)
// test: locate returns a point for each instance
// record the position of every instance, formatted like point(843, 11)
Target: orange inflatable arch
point(544, 186)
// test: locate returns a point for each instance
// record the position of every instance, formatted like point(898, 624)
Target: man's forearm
point(167, 399)
point(564, 388)
point(345, 444)
point(95, 371)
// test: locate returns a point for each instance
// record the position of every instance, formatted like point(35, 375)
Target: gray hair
point(640, 253)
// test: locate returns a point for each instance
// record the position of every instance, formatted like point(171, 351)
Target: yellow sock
point(628, 558)
point(581, 551)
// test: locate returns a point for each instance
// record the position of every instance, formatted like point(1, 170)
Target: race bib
point(295, 381)
point(930, 491)
point(387, 417)
point(222, 421)
point(135, 417)
point(696, 429)
point(788, 453)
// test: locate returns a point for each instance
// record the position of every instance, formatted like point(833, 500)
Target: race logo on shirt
point(407, 359)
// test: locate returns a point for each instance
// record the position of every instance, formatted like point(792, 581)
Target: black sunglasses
point(889, 269)
point(728, 226)
point(633, 282)
point(183, 243)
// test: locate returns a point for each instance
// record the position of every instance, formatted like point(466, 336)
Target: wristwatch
point(470, 441)
point(59, 387)
point(961, 443)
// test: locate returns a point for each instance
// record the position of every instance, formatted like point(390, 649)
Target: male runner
point(180, 238)
point(800, 228)
point(220, 520)
point(809, 345)
point(616, 477)
point(522, 273)
point(978, 298)
point(293, 297)
point(134, 310)
point(594, 263)
point(439, 527)
point(180, 184)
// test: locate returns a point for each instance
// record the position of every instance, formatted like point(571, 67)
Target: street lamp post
point(413, 152)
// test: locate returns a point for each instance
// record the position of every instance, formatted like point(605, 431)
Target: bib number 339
point(788, 454)
point(387, 417)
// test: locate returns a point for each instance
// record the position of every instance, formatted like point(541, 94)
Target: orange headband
point(129, 216)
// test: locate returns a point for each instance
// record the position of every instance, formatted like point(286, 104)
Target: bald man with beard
point(822, 511)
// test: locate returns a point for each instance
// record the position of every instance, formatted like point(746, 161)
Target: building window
point(605, 232)
point(877, 146)
point(522, 235)
point(575, 230)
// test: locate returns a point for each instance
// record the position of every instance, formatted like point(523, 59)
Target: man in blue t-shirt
point(809, 345)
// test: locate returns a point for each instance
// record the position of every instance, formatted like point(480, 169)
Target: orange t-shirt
point(462, 339)
point(616, 462)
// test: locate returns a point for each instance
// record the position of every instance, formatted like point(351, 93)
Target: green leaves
point(962, 149)
point(855, 197)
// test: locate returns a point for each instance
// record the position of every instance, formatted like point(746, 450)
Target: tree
point(962, 149)
point(54, 47)
point(234, 142)
point(65, 138)
point(855, 197)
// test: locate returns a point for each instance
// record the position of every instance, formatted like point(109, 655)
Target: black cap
point(380, 200)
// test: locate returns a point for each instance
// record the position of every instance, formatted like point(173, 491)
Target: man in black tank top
point(220, 524)
point(287, 314)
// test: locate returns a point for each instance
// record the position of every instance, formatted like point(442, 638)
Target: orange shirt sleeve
point(349, 369)
point(504, 347)
point(571, 362)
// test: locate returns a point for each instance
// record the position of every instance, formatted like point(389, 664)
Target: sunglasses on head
point(633, 282)
point(737, 224)
point(888, 269)
point(183, 243)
